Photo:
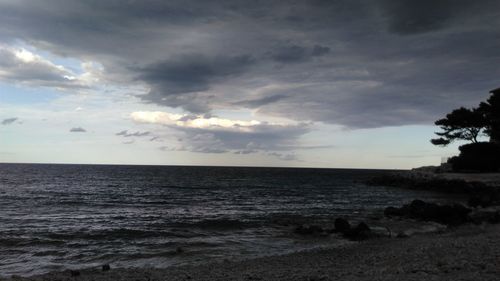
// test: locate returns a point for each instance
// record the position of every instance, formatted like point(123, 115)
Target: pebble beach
point(469, 252)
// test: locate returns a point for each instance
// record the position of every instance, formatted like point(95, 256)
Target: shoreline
point(468, 252)
point(403, 256)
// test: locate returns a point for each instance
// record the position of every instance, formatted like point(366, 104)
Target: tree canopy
point(460, 124)
point(469, 124)
point(491, 112)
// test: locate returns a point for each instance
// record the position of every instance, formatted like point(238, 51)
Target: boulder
point(446, 214)
point(342, 225)
point(393, 212)
point(360, 232)
point(402, 234)
point(485, 197)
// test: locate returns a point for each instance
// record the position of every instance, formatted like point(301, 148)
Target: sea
point(59, 217)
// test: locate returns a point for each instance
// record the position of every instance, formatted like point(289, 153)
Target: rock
point(393, 212)
point(308, 230)
point(455, 214)
point(360, 232)
point(342, 225)
point(402, 235)
point(74, 273)
point(446, 214)
point(485, 197)
point(106, 267)
point(179, 250)
point(479, 200)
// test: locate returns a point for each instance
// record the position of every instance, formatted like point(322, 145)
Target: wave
point(27, 241)
point(120, 233)
point(219, 224)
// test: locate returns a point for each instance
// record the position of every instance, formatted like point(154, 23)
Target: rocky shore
point(465, 253)
point(419, 240)
point(415, 241)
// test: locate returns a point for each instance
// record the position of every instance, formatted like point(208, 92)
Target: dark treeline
point(469, 125)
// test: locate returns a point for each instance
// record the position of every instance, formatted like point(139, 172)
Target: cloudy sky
point(339, 83)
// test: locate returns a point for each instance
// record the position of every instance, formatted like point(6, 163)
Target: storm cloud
point(358, 64)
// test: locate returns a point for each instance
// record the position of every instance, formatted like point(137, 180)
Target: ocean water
point(57, 217)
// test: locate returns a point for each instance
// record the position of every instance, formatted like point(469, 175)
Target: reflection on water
point(54, 217)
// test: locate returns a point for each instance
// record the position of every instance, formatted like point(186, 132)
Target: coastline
point(468, 252)
point(419, 247)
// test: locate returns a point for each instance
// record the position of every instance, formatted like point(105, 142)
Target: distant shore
point(435, 179)
point(492, 179)
point(465, 253)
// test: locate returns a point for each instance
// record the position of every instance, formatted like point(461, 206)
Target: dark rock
point(455, 214)
point(360, 232)
point(308, 230)
point(446, 214)
point(393, 212)
point(421, 210)
point(479, 200)
point(179, 250)
point(485, 197)
point(342, 225)
point(402, 235)
point(420, 181)
point(74, 273)
point(106, 267)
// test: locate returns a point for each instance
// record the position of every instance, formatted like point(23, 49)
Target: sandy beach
point(465, 253)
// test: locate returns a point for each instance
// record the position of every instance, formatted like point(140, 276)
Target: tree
point(461, 124)
point(491, 112)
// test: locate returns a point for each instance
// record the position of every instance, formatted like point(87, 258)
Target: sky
point(339, 83)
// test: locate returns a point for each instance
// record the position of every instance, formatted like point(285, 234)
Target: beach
point(468, 252)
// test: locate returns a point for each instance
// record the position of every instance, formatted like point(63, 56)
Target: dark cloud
point(319, 50)
point(126, 134)
point(407, 17)
point(9, 121)
point(192, 73)
point(255, 103)
point(188, 74)
point(77, 130)
point(295, 54)
point(412, 17)
point(290, 54)
point(359, 64)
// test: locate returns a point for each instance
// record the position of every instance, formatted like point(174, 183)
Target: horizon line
point(215, 166)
